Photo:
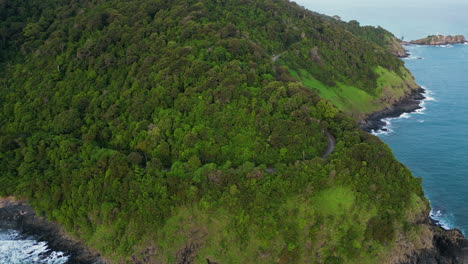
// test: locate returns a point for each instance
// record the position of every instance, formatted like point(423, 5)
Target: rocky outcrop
point(20, 216)
point(396, 47)
point(440, 40)
point(407, 104)
point(444, 247)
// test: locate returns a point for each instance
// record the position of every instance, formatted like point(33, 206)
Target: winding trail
point(275, 58)
point(331, 144)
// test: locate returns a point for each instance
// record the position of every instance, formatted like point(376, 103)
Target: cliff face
point(446, 247)
point(394, 45)
point(434, 245)
point(440, 40)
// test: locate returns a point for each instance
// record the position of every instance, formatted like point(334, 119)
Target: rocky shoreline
point(407, 104)
point(444, 247)
point(19, 216)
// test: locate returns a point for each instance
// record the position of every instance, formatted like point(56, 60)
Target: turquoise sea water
point(433, 142)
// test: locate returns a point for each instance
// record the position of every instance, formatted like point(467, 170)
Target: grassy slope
point(356, 102)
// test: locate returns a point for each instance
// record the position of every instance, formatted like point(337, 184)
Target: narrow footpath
point(331, 144)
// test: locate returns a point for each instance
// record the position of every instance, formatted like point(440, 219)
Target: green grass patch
point(357, 102)
point(334, 201)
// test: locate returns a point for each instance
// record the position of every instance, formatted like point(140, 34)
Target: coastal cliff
point(436, 40)
point(432, 243)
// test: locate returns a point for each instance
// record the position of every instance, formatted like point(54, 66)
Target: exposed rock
point(187, 254)
point(447, 247)
point(210, 261)
point(440, 40)
point(314, 55)
point(19, 216)
point(409, 103)
point(396, 47)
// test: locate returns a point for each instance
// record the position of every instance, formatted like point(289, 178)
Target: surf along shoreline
point(407, 104)
point(18, 215)
point(448, 244)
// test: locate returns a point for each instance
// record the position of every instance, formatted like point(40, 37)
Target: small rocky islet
point(438, 40)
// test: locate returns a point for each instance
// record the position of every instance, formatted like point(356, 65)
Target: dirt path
point(275, 58)
point(331, 144)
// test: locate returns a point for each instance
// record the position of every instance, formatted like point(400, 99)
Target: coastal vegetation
point(165, 131)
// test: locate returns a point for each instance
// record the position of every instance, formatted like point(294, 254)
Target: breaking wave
point(16, 249)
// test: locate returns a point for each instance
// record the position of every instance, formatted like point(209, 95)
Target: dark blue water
point(434, 142)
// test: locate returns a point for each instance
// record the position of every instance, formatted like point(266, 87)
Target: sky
point(408, 19)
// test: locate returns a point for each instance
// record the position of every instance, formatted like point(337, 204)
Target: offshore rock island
point(437, 40)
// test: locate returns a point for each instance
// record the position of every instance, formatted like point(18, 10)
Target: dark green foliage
point(116, 114)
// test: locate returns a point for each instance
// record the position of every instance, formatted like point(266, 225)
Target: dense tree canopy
point(153, 128)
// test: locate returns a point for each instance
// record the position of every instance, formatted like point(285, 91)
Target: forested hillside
point(175, 131)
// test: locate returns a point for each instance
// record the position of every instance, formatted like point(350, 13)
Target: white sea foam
point(422, 109)
point(381, 132)
point(387, 129)
point(441, 218)
point(429, 96)
point(405, 115)
point(15, 250)
point(413, 58)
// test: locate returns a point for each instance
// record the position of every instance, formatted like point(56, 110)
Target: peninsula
point(148, 130)
point(436, 40)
